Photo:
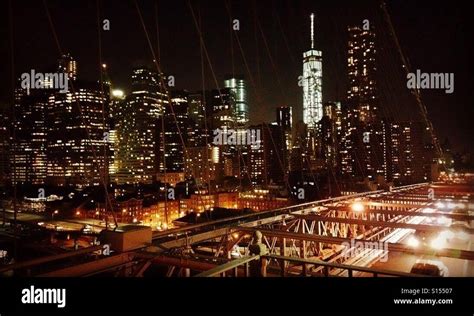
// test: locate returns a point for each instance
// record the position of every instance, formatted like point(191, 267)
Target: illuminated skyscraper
point(175, 126)
point(312, 84)
point(285, 117)
point(331, 130)
point(138, 128)
point(365, 138)
point(285, 122)
point(28, 150)
point(362, 93)
point(267, 156)
point(77, 134)
point(68, 65)
point(4, 148)
point(197, 120)
point(117, 100)
point(238, 86)
point(220, 106)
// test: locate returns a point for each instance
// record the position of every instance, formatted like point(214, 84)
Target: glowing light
point(461, 206)
point(104, 66)
point(56, 212)
point(118, 93)
point(78, 213)
point(357, 207)
point(428, 210)
point(413, 242)
point(440, 205)
point(443, 220)
point(447, 234)
point(437, 243)
point(215, 154)
point(451, 206)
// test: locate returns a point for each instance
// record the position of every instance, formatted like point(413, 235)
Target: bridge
point(377, 233)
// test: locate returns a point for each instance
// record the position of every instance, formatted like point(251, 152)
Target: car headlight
point(413, 242)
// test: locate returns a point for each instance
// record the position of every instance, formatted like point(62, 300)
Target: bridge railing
point(231, 268)
point(283, 260)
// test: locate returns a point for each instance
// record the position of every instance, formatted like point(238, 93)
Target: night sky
point(273, 35)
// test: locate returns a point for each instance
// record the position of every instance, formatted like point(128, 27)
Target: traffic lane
point(403, 262)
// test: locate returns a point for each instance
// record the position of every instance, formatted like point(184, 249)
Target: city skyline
point(263, 96)
point(282, 139)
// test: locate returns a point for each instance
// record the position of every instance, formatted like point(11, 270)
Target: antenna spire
point(312, 30)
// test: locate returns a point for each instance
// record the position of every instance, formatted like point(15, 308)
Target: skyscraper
point(28, 149)
point(267, 156)
point(362, 92)
point(285, 117)
point(411, 152)
point(331, 129)
point(137, 128)
point(220, 108)
point(4, 148)
point(197, 120)
point(238, 86)
point(365, 137)
point(117, 100)
point(68, 65)
point(285, 122)
point(175, 126)
point(312, 84)
point(78, 140)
